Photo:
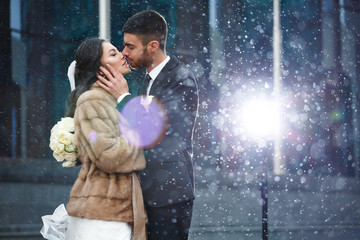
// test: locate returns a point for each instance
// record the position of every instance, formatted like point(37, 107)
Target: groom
point(168, 180)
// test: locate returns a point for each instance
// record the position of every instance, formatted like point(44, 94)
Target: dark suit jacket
point(169, 177)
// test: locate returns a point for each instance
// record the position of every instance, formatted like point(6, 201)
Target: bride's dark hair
point(88, 60)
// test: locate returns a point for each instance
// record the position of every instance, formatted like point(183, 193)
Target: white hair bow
point(71, 75)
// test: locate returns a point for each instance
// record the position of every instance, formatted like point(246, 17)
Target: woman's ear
point(153, 46)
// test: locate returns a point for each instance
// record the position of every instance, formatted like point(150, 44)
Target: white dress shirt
point(155, 72)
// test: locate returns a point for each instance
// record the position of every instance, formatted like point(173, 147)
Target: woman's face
point(113, 57)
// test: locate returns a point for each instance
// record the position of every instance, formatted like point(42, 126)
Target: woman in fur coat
point(106, 199)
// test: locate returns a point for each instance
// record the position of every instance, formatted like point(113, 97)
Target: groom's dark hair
point(147, 25)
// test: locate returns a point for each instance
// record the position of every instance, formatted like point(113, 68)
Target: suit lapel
point(163, 78)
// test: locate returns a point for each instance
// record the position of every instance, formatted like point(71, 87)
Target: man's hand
point(114, 83)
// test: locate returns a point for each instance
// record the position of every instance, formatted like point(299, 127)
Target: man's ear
point(153, 46)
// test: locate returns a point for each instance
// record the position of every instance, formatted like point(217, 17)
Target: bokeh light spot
point(93, 136)
point(146, 118)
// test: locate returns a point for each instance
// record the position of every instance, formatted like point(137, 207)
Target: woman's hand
point(113, 82)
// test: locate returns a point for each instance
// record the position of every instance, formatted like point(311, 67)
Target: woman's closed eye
point(113, 52)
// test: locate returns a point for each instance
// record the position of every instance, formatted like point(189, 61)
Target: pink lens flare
point(93, 136)
point(143, 122)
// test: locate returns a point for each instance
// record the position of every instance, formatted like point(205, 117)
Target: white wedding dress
point(90, 229)
point(61, 226)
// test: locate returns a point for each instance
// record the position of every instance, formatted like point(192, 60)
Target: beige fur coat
point(107, 187)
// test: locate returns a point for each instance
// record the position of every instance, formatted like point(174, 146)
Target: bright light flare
point(260, 118)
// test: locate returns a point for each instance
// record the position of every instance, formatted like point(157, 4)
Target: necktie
point(145, 84)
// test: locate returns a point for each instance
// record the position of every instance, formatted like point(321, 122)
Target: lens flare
point(92, 136)
point(260, 118)
point(146, 121)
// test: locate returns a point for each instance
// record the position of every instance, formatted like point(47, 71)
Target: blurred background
point(279, 85)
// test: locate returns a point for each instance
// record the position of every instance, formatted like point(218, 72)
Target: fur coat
point(107, 187)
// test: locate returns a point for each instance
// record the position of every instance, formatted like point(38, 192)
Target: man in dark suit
point(168, 180)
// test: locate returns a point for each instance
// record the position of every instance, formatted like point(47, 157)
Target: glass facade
point(42, 39)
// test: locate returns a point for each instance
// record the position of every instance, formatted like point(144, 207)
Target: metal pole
point(105, 19)
point(277, 46)
point(18, 73)
point(264, 196)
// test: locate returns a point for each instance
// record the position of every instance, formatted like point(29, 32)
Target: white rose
point(68, 124)
point(53, 143)
point(66, 137)
point(70, 156)
point(62, 141)
point(54, 128)
point(58, 157)
point(59, 148)
point(68, 164)
point(54, 137)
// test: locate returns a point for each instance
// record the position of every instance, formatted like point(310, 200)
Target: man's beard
point(144, 61)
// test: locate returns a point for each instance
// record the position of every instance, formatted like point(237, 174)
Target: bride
point(106, 199)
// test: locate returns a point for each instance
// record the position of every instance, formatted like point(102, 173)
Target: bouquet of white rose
point(62, 142)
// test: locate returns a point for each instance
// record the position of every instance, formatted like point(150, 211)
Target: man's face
point(135, 52)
